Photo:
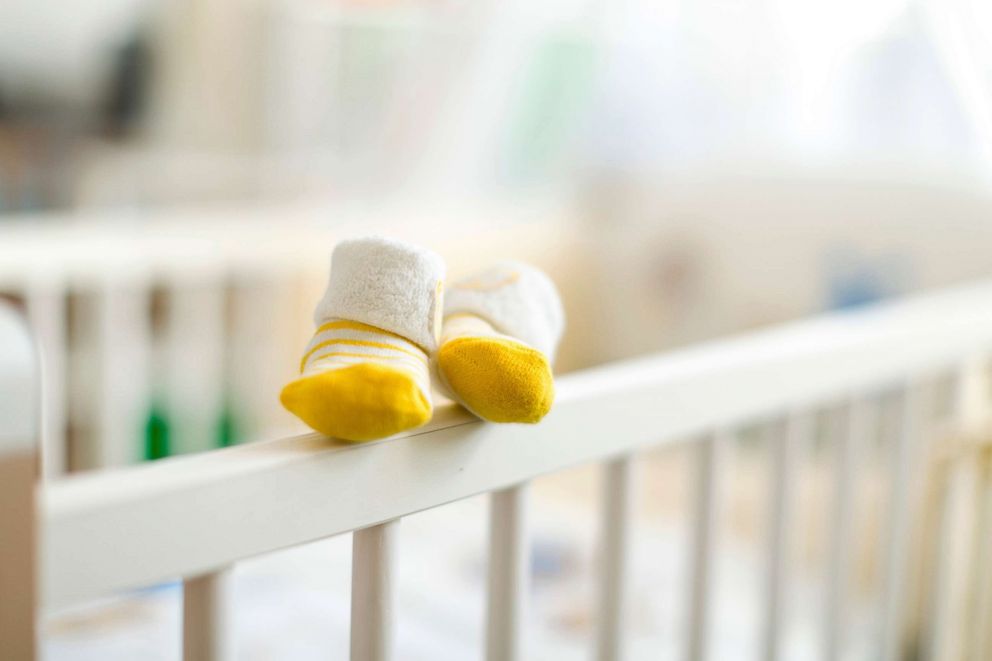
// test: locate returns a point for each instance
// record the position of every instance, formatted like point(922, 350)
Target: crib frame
point(196, 516)
point(19, 432)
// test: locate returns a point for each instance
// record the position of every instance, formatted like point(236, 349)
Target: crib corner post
point(19, 431)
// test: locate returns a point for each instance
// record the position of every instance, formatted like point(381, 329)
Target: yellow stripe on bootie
point(360, 383)
point(501, 330)
point(365, 373)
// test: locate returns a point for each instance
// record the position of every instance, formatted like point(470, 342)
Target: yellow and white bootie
point(498, 341)
point(365, 374)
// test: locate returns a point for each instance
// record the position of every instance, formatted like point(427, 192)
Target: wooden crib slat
point(124, 344)
point(711, 459)
point(980, 634)
point(945, 607)
point(206, 617)
point(897, 541)
point(194, 363)
point(508, 574)
point(46, 312)
point(786, 445)
point(373, 577)
point(960, 478)
point(615, 533)
point(851, 433)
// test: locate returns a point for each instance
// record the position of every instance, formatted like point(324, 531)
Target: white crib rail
point(195, 516)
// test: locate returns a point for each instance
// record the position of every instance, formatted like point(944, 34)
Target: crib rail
point(196, 516)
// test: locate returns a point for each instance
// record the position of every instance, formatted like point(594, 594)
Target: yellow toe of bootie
point(498, 379)
point(366, 372)
point(359, 402)
point(500, 332)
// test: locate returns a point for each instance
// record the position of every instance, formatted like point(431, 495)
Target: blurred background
point(174, 175)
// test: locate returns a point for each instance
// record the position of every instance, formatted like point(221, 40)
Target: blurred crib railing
point(148, 323)
point(184, 324)
point(198, 515)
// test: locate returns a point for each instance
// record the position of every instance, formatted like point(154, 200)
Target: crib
point(196, 516)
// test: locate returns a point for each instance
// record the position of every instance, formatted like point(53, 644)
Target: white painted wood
point(509, 574)
point(852, 429)
point(615, 550)
point(373, 592)
point(897, 547)
point(193, 363)
point(950, 586)
point(262, 349)
point(19, 432)
point(979, 643)
point(710, 476)
point(240, 502)
point(122, 379)
point(786, 447)
point(19, 388)
point(947, 593)
point(207, 625)
point(46, 303)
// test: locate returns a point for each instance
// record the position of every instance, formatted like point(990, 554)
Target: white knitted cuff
point(517, 299)
point(388, 284)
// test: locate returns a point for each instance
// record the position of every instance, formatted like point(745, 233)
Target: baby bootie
point(365, 373)
point(500, 333)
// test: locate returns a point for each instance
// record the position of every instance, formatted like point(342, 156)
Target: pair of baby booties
point(387, 322)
